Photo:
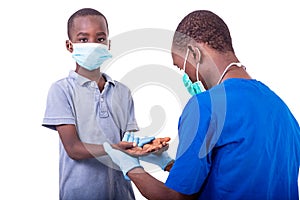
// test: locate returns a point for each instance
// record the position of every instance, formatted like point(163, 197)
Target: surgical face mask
point(90, 55)
point(192, 88)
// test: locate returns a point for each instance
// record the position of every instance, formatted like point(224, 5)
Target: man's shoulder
point(198, 102)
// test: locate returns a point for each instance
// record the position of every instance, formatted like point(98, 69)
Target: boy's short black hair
point(84, 12)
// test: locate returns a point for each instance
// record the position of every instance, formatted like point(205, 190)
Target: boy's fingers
point(126, 145)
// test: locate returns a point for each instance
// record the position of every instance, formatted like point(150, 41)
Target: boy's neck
point(94, 75)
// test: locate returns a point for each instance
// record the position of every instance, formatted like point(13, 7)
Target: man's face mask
point(90, 55)
point(192, 88)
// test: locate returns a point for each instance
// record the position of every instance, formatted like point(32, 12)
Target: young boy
point(88, 108)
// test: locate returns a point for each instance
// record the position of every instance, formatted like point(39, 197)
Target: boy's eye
point(83, 40)
point(101, 39)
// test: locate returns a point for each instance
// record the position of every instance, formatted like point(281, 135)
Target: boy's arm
point(78, 150)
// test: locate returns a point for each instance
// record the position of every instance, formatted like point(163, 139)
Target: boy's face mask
point(192, 88)
point(90, 55)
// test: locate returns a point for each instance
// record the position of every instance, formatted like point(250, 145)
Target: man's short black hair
point(203, 26)
point(83, 12)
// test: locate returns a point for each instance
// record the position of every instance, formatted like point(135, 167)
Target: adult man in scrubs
point(237, 139)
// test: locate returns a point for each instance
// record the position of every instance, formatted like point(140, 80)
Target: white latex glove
point(162, 159)
point(123, 160)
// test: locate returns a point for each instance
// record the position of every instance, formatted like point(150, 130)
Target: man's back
point(237, 141)
point(257, 154)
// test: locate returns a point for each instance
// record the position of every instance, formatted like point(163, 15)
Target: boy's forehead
point(84, 23)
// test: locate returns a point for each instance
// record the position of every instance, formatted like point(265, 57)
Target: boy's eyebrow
point(82, 33)
point(86, 34)
point(101, 33)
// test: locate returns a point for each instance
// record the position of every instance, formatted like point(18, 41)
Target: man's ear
point(201, 49)
point(199, 55)
point(196, 52)
point(69, 46)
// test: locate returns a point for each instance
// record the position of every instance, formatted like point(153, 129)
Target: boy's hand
point(124, 145)
point(157, 145)
point(146, 145)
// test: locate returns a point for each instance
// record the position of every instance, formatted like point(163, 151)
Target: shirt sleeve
point(193, 162)
point(58, 109)
point(132, 124)
point(122, 108)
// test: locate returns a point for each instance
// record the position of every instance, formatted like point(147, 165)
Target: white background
point(33, 33)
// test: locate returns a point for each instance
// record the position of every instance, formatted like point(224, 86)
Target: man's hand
point(146, 145)
point(130, 137)
point(161, 159)
point(124, 161)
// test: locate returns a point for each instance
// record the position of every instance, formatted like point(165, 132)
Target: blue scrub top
point(237, 140)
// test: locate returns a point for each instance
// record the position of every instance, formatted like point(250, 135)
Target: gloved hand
point(162, 159)
point(123, 160)
point(130, 137)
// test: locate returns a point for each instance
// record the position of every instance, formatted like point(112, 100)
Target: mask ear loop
point(198, 64)
point(185, 59)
